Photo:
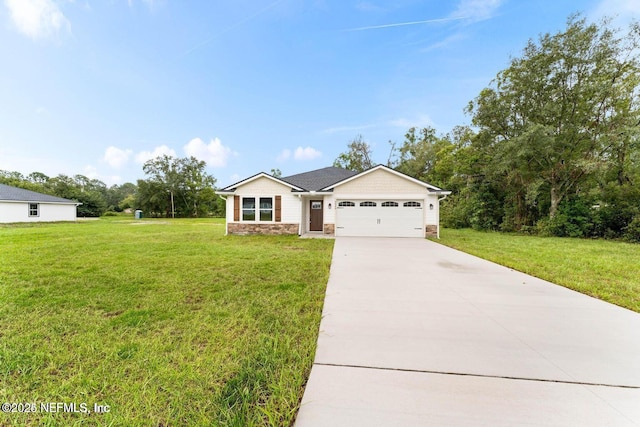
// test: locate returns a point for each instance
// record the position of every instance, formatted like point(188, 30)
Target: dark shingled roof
point(319, 179)
point(16, 194)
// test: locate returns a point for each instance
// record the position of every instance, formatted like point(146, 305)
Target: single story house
point(377, 202)
point(20, 205)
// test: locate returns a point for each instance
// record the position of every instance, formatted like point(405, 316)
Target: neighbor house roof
point(15, 194)
point(320, 178)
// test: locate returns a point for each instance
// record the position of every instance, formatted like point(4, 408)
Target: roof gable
point(15, 194)
point(233, 187)
point(385, 168)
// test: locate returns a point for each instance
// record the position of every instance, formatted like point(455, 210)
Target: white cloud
point(284, 155)
point(116, 157)
point(214, 153)
point(143, 156)
point(420, 121)
point(620, 10)
point(367, 6)
point(151, 4)
point(307, 153)
point(300, 153)
point(446, 42)
point(37, 18)
point(347, 128)
point(406, 23)
point(91, 172)
point(476, 10)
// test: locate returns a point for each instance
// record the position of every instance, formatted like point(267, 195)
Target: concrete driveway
point(415, 333)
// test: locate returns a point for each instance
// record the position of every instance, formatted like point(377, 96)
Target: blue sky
point(98, 87)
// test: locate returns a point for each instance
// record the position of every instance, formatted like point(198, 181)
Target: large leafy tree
point(560, 112)
point(90, 192)
point(179, 186)
point(424, 155)
point(119, 197)
point(357, 157)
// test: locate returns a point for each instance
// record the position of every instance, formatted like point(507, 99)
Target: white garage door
point(380, 218)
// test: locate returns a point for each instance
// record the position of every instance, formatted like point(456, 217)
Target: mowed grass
point(168, 322)
point(608, 270)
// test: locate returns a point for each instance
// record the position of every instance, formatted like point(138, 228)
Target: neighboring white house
point(334, 201)
point(19, 205)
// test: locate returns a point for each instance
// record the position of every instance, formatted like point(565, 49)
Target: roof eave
point(313, 193)
point(49, 202)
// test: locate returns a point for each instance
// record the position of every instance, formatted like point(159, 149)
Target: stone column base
point(431, 231)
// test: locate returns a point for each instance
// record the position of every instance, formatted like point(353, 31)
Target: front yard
point(165, 322)
point(604, 269)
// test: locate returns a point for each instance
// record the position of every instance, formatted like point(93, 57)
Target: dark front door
point(316, 220)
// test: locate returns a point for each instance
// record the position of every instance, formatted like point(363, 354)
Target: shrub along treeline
point(555, 143)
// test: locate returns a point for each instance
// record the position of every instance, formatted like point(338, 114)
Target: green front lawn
point(604, 269)
point(168, 322)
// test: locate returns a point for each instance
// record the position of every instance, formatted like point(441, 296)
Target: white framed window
point(368, 204)
point(248, 208)
point(266, 209)
point(34, 209)
point(412, 204)
point(257, 209)
point(389, 204)
point(346, 204)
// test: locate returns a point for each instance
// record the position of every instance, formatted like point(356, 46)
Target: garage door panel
point(388, 218)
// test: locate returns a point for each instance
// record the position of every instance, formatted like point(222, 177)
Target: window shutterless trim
point(34, 209)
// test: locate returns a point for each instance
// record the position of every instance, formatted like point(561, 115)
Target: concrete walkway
point(417, 334)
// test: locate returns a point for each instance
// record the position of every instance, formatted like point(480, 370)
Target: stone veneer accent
point(330, 229)
point(431, 231)
point(266, 228)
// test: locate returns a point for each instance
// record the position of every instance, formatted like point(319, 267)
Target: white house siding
point(265, 187)
point(329, 214)
point(19, 212)
point(380, 181)
point(432, 217)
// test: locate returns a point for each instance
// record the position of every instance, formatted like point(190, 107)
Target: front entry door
point(316, 219)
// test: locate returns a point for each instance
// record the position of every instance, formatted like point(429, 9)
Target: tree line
point(553, 149)
point(174, 187)
point(554, 145)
